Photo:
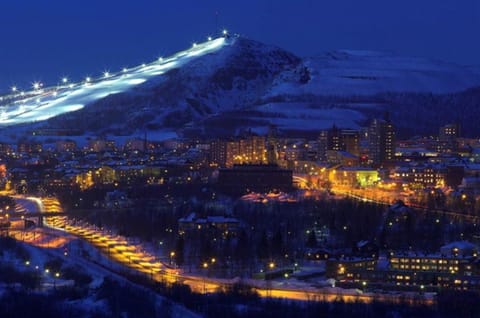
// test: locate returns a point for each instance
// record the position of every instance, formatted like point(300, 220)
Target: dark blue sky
point(46, 39)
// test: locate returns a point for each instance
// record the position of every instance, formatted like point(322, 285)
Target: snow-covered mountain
point(230, 83)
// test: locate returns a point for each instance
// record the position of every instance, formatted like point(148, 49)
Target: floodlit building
point(353, 176)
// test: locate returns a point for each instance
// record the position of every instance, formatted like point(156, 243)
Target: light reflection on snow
point(45, 102)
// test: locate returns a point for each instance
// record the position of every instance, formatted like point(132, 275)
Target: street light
point(57, 275)
point(172, 255)
point(205, 266)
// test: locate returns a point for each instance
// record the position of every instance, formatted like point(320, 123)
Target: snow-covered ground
point(349, 72)
point(44, 244)
point(43, 103)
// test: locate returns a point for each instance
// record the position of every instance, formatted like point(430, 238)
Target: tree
point(6, 203)
point(180, 250)
point(311, 239)
point(277, 244)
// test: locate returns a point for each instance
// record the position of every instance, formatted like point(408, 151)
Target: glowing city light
point(225, 32)
point(64, 80)
point(194, 45)
point(106, 74)
point(209, 38)
point(14, 89)
point(88, 79)
point(36, 85)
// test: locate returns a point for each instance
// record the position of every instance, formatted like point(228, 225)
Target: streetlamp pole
point(205, 266)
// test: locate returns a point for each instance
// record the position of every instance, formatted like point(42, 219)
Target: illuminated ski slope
point(43, 103)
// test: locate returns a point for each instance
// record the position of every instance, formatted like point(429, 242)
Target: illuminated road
point(383, 197)
point(134, 256)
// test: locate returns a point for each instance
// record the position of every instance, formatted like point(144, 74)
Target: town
point(357, 210)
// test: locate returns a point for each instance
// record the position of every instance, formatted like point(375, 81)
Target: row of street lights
point(47, 272)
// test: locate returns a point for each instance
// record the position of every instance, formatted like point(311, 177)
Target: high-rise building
point(351, 141)
point(338, 140)
point(335, 141)
point(232, 150)
point(447, 138)
point(272, 146)
point(218, 152)
point(381, 141)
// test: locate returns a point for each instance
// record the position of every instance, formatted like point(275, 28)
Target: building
point(456, 267)
point(351, 141)
point(381, 142)
point(248, 150)
point(447, 138)
point(353, 176)
point(218, 153)
point(29, 147)
point(470, 185)
point(136, 144)
point(343, 158)
point(423, 175)
point(349, 268)
point(243, 179)
point(216, 224)
point(65, 146)
point(5, 148)
point(336, 139)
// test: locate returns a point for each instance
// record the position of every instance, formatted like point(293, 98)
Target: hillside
point(228, 84)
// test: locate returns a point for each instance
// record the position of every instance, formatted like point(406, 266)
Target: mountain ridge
point(248, 84)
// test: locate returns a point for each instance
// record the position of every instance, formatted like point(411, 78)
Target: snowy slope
point(231, 83)
point(365, 73)
point(44, 103)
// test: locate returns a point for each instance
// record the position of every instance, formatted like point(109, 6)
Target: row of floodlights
point(65, 80)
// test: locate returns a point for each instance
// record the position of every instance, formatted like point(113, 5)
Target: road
point(134, 256)
point(384, 197)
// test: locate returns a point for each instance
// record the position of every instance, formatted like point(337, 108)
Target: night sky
point(43, 40)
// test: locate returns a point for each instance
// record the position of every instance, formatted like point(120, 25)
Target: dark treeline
point(275, 231)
